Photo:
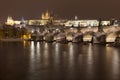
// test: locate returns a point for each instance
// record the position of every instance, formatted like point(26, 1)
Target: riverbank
point(12, 40)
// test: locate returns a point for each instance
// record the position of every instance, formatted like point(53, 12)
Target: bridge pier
point(101, 39)
point(77, 38)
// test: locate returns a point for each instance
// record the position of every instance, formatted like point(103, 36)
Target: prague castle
point(46, 18)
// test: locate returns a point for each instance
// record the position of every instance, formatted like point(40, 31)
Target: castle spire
point(22, 22)
point(43, 16)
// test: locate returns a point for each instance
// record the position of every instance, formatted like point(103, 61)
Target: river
point(56, 61)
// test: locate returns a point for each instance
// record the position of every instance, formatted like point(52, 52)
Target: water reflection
point(46, 54)
point(90, 55)
point(115, 64)
point(90, 62)
point(32, 58)
point(38, 51)
point(57, 52)
point(71, 55)
point(55, 61)
point(32, 52)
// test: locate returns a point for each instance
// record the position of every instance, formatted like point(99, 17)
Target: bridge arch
point(112, 36)
point(87, 36)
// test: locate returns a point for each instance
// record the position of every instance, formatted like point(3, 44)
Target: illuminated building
point(82, 23)
point(45, 16)
point(10, 21)
point(115, 23)
point(86, 23)
point(105, 23)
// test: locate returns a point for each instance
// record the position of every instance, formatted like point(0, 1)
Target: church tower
point(45, 16)
point(22, 22)
point(10, 21)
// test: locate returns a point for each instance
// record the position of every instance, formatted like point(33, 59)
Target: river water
point(56, 61)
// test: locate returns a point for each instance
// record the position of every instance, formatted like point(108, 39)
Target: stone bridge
point(111, 32)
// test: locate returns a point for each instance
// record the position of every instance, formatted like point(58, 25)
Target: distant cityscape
point(50, 29)
point(59, 40)
point(47, 18)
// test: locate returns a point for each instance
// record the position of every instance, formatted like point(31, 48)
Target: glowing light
point(38, 51)
point(27, 36)
point(24, 43)
point(46, 54)
point(87, 38)
point(32, 57)
point(10, 21)
point(115, 65)
point(71, 54)
point(57, 49)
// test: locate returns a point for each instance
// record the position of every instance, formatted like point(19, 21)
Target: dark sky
point(88, 9)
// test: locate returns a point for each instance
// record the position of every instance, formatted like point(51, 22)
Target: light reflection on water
point(32, 60)
point(71, 55)
point(38, 51)
point(116, 64)
point(56, 61)
point(66, 53)
point(32, 56)
point(90, 62)
point(57, 56)
point(46, 54)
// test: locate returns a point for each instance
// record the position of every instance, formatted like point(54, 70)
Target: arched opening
point(111, 37)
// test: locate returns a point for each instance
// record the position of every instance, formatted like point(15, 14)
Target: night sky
point(84, 9)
